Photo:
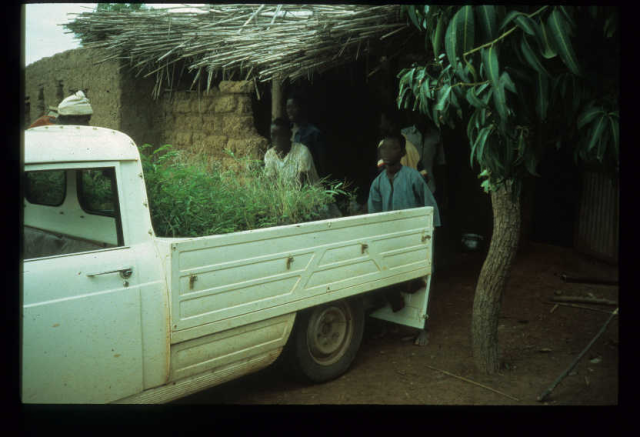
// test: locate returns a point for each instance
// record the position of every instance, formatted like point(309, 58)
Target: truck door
point(81, 330)
point(414, 313)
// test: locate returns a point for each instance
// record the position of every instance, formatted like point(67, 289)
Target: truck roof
point(65, 143)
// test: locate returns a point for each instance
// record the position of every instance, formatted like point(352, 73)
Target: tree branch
point(504, 35)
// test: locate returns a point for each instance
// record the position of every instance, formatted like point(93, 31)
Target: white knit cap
point(77, 104)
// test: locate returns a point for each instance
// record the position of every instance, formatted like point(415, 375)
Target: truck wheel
point(325, 340)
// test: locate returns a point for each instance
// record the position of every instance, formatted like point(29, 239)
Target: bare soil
point(538, 343)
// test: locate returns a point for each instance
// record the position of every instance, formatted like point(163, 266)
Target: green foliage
point(45, 187)
point(188, 199)
point(96, 191)
point(517, 74)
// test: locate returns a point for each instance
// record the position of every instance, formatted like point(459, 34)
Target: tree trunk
point(493, 279)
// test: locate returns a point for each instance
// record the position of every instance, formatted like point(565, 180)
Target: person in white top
point(289, 160)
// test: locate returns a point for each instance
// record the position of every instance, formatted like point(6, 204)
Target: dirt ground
point(537, 342)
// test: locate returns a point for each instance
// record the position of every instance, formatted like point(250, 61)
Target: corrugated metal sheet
point(597, 230)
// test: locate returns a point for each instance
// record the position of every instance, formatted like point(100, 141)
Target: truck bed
point(221, 282)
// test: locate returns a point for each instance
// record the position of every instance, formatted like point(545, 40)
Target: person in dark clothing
point(306, 133)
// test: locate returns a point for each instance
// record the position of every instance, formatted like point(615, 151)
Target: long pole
point(276, 98)
point(566, 372)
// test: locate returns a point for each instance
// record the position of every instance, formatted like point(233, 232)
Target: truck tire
point(325, 340)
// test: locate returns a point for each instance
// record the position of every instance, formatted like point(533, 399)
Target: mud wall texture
point(119, 100)
point(50, 80)
point(214, 123)
point(202, 123)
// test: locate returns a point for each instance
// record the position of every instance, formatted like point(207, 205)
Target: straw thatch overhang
point(243, 42)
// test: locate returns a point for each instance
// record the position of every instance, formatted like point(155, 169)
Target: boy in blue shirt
point(400, 187)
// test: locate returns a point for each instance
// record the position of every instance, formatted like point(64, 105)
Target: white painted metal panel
point(81, 335)
point(216, 351)
point(61, 143)
point(224, 281)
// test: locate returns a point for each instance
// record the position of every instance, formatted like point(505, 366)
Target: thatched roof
point(256, 42)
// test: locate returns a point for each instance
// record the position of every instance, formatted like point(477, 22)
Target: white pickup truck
point(112, 313)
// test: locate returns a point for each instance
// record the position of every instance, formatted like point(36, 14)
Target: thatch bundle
point(257, 42)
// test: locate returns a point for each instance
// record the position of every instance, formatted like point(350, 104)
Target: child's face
point(391, 151)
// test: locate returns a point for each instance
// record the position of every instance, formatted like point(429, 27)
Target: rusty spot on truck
point(55, 325)
point(116, 355)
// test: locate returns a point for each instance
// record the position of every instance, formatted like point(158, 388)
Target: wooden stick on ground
point(576, 306)
point(584, 351)
point(584, 300)
point(472, 382)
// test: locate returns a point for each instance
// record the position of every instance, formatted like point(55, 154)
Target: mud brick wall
point(119, 100)
point(203, 123)
point(214, 122)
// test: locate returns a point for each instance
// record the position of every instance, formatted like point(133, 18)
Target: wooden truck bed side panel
point(222, 282)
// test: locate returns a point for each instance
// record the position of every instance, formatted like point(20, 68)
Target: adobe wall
point(50, 80)
point(119, 100)
point(212, 122)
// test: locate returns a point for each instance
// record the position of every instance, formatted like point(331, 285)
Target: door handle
point(125, 272)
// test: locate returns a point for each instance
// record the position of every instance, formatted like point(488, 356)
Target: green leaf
point(481, 88)
point(602, 144)
point(451, 45)
point(615, 134)
point(474, 100)
point(588, 115)
point(544, 41)
point(483, 140)
point(510, 17)
point(597, 133)
point(424, 91)
point(436, 37)
point(471, 70)
point(526, 24)
point(461, 72)
point(454, 99)
point(562, 43)
point(487, 19)
point(443, 94)
point(506, 81)
point(412, 15)
point(531, 57)
point(490, 60)
point(471, 126)
point(468, 29)
point(542, 96)
point(459, 37)
point(480, 142)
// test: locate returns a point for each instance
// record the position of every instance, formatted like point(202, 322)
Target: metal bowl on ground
point(471, 242)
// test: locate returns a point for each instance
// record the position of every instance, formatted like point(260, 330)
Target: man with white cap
point(75, 109)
